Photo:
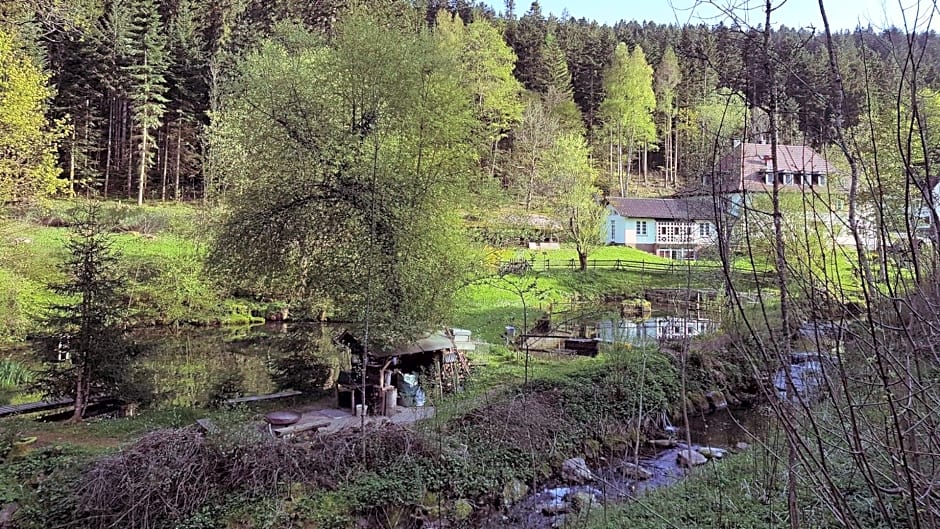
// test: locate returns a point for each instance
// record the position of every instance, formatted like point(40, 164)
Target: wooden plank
point(33, 407)
point(305, 424)
point(256, 398)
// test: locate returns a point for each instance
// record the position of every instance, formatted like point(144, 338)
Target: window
point(641, 228)
point(704, 230)
point(677, 253)
point(768, 178)
point(788, 178)
point(798, 179)
point(819, 179)
point(613, 230)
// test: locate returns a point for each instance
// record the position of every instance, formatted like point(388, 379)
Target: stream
point(724, 432)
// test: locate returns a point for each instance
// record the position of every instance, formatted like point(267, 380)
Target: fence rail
point(623, 265)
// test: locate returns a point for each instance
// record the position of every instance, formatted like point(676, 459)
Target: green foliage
point(627, 109)
point(301, 371)
point(28, 140)
point(13, 373)
point(88, 324)
point(575, 201)
point(358, 205)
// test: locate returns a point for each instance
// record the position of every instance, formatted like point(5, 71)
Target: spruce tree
point(148, 84)
point(88, 324)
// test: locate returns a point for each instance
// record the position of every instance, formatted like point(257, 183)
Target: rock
point(582, 501)
point(663, 443)
point(632, 471)
point(716, 400)
point(553, 507)
point(690, 458)
point(742, 446)
point(463, 509)
point(6, 515)
point(575, 470)
point(514, 491)
point(711, 452)
point(699, 403)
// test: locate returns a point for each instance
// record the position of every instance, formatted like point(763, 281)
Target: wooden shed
point(404, 374)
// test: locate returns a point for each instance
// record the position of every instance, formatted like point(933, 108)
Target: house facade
point(811, 197)
point(674, 228)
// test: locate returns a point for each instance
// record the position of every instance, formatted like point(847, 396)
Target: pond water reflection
point(197, 366)
point(653, 330)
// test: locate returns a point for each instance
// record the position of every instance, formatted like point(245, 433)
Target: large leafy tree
point(627, 110)
point(574, 199)
point(346, 161)
point(486, 65)
point(27, 139)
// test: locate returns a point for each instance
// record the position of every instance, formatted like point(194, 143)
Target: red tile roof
point(745, 166)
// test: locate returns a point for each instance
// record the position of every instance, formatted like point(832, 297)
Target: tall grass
point(13, 374)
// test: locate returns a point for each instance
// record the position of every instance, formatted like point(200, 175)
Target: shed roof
point(433, 342)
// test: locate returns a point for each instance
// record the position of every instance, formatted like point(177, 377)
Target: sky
point(842, 14)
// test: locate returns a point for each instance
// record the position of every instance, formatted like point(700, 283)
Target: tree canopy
point(347, 158)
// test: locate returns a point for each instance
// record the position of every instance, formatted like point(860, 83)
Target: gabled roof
point(790, 158)
point(745, 168)
point(663, 208)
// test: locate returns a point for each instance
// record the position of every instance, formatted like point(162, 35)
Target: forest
point(173, 172)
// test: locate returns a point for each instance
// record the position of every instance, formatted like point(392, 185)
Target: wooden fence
point(626, 265)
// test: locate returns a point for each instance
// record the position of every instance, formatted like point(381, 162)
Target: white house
point(675, 228)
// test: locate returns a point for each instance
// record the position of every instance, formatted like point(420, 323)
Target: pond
point(196, 366)
point(654, 329)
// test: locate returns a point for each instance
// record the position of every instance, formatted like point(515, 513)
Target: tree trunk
point(142, 176)
point(582, 260)
point(629, 161)
point(72, 148)
point(179, 144)
point(107, 163)
point(166, 161)
point(81, 395)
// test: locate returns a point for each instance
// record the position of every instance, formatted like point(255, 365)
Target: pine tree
point(188, 94)
point(88, 324)
point(147, 74)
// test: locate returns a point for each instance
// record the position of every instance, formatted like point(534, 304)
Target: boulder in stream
point(690, 458)
point(582, 501)
point(514, 492)
point(716, 400)
point(575, 470)
point(711, 452)
point(663, 443)
point(556, 503)
point(6, 515)
point(633, 471)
